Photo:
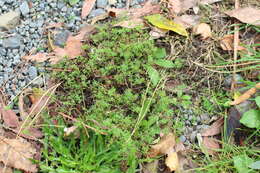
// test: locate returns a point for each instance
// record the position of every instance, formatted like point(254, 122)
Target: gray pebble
point(61, 38)
point(102, 3)
point(24, 8)
point(32, 71)
point(204, 117)
point(12, 42)
point(228, 80)
point(182, 138)
point(96, 12)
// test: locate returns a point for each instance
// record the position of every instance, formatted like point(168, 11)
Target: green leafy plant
point(110, 91)
point(72, 2)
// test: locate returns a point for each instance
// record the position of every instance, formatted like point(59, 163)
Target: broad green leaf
point(255, 165)
point(164, 63)
point(257, 100)
point(153, 74)
point(251, 118)
point(163, 23)
point(160, 53)
point(241, 163)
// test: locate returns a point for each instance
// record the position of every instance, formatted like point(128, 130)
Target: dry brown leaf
point(210, 145)
point(165, 145)
point(148, 8)
point(87, 7)
point(132, 23)
point(7, 169)
point(179, 147)
point(227, 43)
point(54, 25)
point(41, 57)
point(172, 161)
point(202, 29)
point(9, 116)
point(70, 130)
point(214, 129)
point(18, 152)
point(151, 167)
point(246, 95)
point(98, 18)
point(187, 21)
point(248, 15)
point(175, 6)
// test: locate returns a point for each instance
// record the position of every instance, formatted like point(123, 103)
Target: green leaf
point(255, 165)
point(73, 2)
point(153, 74)
point(163, 23)
point(241, 163)
point(165, 63)
point(160, 53)
point(257, 100)
point(251, 118)
point(186, 97)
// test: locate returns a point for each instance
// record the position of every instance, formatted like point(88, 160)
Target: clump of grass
point(109, 90)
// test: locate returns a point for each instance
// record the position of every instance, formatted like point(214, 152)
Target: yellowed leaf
point(203, 29)
point(87, 7)
point(163, 23)
point(16, 153)
point(246, 95)
point(248, 15)
point(165, 145)
point(172, 161)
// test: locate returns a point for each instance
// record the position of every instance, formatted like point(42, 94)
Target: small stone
point(112, 2)
point(9, 20)
point(2, 51)
point(38, 82)
point(96, 12)
point(101, 3)
point(24, 8)
point(182, 138)
point(61, 38)
point(12, 42)
point(228, 80)
point(204, 117)
point(32, 71)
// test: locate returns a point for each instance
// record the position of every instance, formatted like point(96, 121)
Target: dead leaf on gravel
point(187, 21)
point(214, 129)
point(8, 115)
point(148, 8)
point(246, 95)
point(203, 29)
point(248, 15)
point(210, 145)
point(19, 151)
point(227, 43)
point(54, 25)
point(164, 146)
point(172, 161)
point(42, 57)
point(7, 169)
point(132, 23)
point(87, 7)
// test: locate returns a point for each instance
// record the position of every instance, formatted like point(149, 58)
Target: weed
point(110, 86)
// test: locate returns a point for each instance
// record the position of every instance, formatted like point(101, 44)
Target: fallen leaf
point(187, 21)
point(172, 161)
point(18, 152)
point(214, 129)
point(163, 23)
point(175, 6)
point(87, 7)
point(98, 18)
point(148, 8)
point(42, 57)
point(156, 33)
point(7, 169)
point(132, 23)
point(202, 29)
point(165, 145)
point(210, 145)
point(227, 43)
point(8, 115)
point(54, 25)
point(248, 15)
point(246, 95)
point(179, 147)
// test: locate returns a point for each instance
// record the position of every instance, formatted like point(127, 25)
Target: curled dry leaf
point(70, 130)
point(214, 129)
point(210, 145)
point(165, 145)
point(87, 7)
point(9, 116)
point(187, 21)
point(227, 43)
point(248, 15)
point(148, 8)
point(246, 95)
point(18, 152)
point(172, 161)
point(203, 29)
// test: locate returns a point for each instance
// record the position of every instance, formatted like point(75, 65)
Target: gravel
point(24, 8)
